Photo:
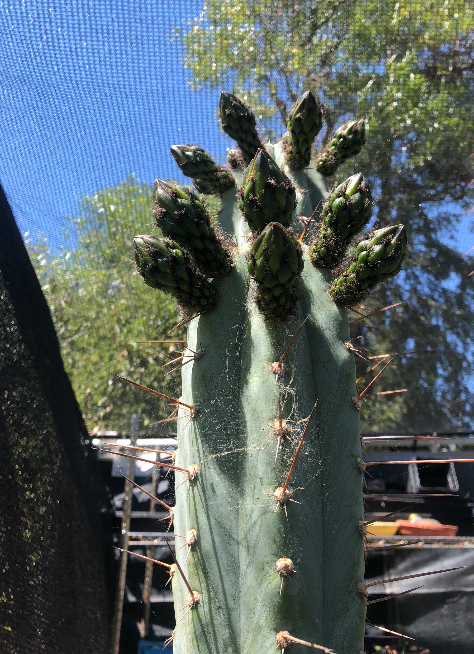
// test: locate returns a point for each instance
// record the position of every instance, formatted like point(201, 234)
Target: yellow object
point(414, 517)
point(382, 529)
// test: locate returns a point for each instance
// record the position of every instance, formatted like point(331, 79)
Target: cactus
point(304, 123)
point(344, 214)
point(269, 486)
point(346, 141)
point(196, 163)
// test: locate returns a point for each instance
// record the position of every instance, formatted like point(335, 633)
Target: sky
point(92, 92)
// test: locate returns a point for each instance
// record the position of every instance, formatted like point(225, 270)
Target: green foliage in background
point(101, 308)
point(406, 68)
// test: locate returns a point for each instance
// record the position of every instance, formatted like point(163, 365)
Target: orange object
point(425, 528)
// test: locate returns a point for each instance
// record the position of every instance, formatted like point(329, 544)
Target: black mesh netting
point(54, 543)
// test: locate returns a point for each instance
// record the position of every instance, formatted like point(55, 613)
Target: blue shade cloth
point(91, 92)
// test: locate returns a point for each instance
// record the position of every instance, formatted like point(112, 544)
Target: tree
point(407, 69)
point(101, 309)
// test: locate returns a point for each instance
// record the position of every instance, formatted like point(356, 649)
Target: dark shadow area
point(55, 534)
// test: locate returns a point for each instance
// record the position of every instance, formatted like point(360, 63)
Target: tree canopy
point(407, 68)
point(101, 309)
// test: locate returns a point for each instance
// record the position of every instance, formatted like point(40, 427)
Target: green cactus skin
point(163, 265)
point(206, 175)
point(182, 216)
point(347, 209)
point(304, 124)
point(275, 261)
point(238, 122)
point(241, 535)
point(266, 195)
point(242, 454)
point(346, 142)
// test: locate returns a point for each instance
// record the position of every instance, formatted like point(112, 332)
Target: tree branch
point(315, 25)
point(280, 104)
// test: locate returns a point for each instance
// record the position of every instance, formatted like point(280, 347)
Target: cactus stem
point(155, 499)
point(284, 640)
point(192, 408)
point(298, 450)
point(388, 631)
point(361, 395)
point(384, 599)
point(278, 367)
point(285, 568)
